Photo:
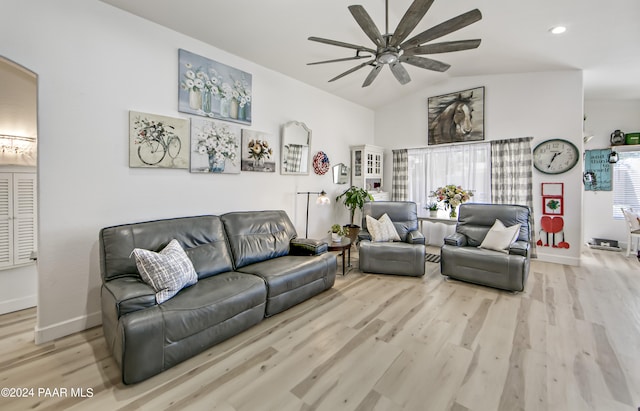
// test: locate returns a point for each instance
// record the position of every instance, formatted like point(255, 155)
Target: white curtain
point(466, 165)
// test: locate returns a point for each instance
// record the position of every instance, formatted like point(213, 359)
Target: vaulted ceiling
point(602, 39)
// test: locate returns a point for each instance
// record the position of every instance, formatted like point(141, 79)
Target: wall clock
point(555, 156)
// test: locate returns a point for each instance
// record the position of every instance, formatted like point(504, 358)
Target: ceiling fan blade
point(372, 75)
point(337, 60)
point(367, 24)
point(410, 20)
point(341, 44)
point(425, 63)
point(358, 67)
point(401, 73)
point(444, 28)
point(444, 47)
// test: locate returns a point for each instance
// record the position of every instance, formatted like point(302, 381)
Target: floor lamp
point(322, 200)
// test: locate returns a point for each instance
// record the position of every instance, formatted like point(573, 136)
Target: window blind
point(626, 183)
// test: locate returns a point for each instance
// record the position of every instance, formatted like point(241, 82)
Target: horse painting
point(456, 117)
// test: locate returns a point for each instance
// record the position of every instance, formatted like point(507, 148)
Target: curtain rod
point(465, 143)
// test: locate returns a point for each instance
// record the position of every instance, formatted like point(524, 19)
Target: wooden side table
point(342, 246)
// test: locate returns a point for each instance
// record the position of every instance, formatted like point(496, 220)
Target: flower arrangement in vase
point(452, 196)
point(218, 143)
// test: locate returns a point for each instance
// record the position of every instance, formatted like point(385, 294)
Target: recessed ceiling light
point(558, 29)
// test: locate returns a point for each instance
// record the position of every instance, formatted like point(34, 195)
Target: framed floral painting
point(211, 89)
point(158, 141)
point(258, 151)
point(215, 147)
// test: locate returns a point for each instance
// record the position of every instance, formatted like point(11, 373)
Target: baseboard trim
point(558, 259)
point(62, 329)
point(18, 304)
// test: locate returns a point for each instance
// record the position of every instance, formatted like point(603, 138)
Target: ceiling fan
point(393, 49)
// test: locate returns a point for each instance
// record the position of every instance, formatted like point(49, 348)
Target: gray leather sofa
point(404, 257)
point(250, 265)
point(460, 257)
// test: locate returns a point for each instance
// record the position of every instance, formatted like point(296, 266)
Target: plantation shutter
point(24, 217)
point(6, 217)
point(18, 218)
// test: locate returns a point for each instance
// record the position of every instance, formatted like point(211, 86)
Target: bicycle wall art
point(211, 89)
point(158, 141)
point(215, 147)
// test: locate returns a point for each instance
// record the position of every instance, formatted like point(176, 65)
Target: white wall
point(95, 63)
point(603, 117)
point(540, 105)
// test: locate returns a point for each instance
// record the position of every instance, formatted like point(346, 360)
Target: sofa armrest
point(129, 294)
point(307, 246)
point(364, 235)
point(519, 248)
point(415, 237)
point(456, 239)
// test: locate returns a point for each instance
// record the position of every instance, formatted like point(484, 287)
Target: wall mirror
point(296, 148)
point(340, 174)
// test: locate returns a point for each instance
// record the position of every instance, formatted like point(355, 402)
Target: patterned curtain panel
point(294, 158)
point(512, 176)
point(400, 178)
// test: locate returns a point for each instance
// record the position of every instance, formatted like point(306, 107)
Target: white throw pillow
point(632, 218)
point(167, 272)
point(499, 237)
point(383, 229)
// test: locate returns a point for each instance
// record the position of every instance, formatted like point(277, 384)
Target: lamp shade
point(323, 199)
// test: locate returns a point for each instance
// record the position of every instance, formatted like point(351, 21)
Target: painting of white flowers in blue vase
point(212, 89)
point(215, 147)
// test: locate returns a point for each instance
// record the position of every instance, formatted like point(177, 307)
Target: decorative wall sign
point(597, 166)
point(211, 89)
point(257, 151)
point(158, 141)
point(450, 119)
point(215, 147)
point(320, 163)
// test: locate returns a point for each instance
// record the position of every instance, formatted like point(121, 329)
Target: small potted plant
point(432, 206)
point(337, 232)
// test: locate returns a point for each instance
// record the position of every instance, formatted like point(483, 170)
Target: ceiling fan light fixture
point(557, 29)
point(387, 57)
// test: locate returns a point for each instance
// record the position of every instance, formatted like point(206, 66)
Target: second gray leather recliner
point(404, 257)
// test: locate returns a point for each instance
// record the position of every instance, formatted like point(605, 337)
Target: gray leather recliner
point(460, 257)
point(405, 257)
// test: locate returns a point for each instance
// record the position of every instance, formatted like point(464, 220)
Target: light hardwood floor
point(571, 341)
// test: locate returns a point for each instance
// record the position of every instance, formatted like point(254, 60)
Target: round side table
point(342, 246)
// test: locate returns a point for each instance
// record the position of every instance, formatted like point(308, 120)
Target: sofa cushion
point(258, 235)
point(167, 272)
point(382, 230)
point(202, 237)
point(211, 301)
point(499, 237)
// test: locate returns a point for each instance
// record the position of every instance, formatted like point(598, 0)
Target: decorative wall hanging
point(211, 89)
point(598, 169)
point(215, 147)
point(158, 141)
point(450, 119)
point(320, 163)
point(257, 151)
point(552, 198)
point(552, 232)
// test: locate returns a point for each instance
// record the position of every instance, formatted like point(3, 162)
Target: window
point(626, 183)
point(467, 165)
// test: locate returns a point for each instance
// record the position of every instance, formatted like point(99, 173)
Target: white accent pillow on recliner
point(499, 237)
point(167, 272)
point(382, 230)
